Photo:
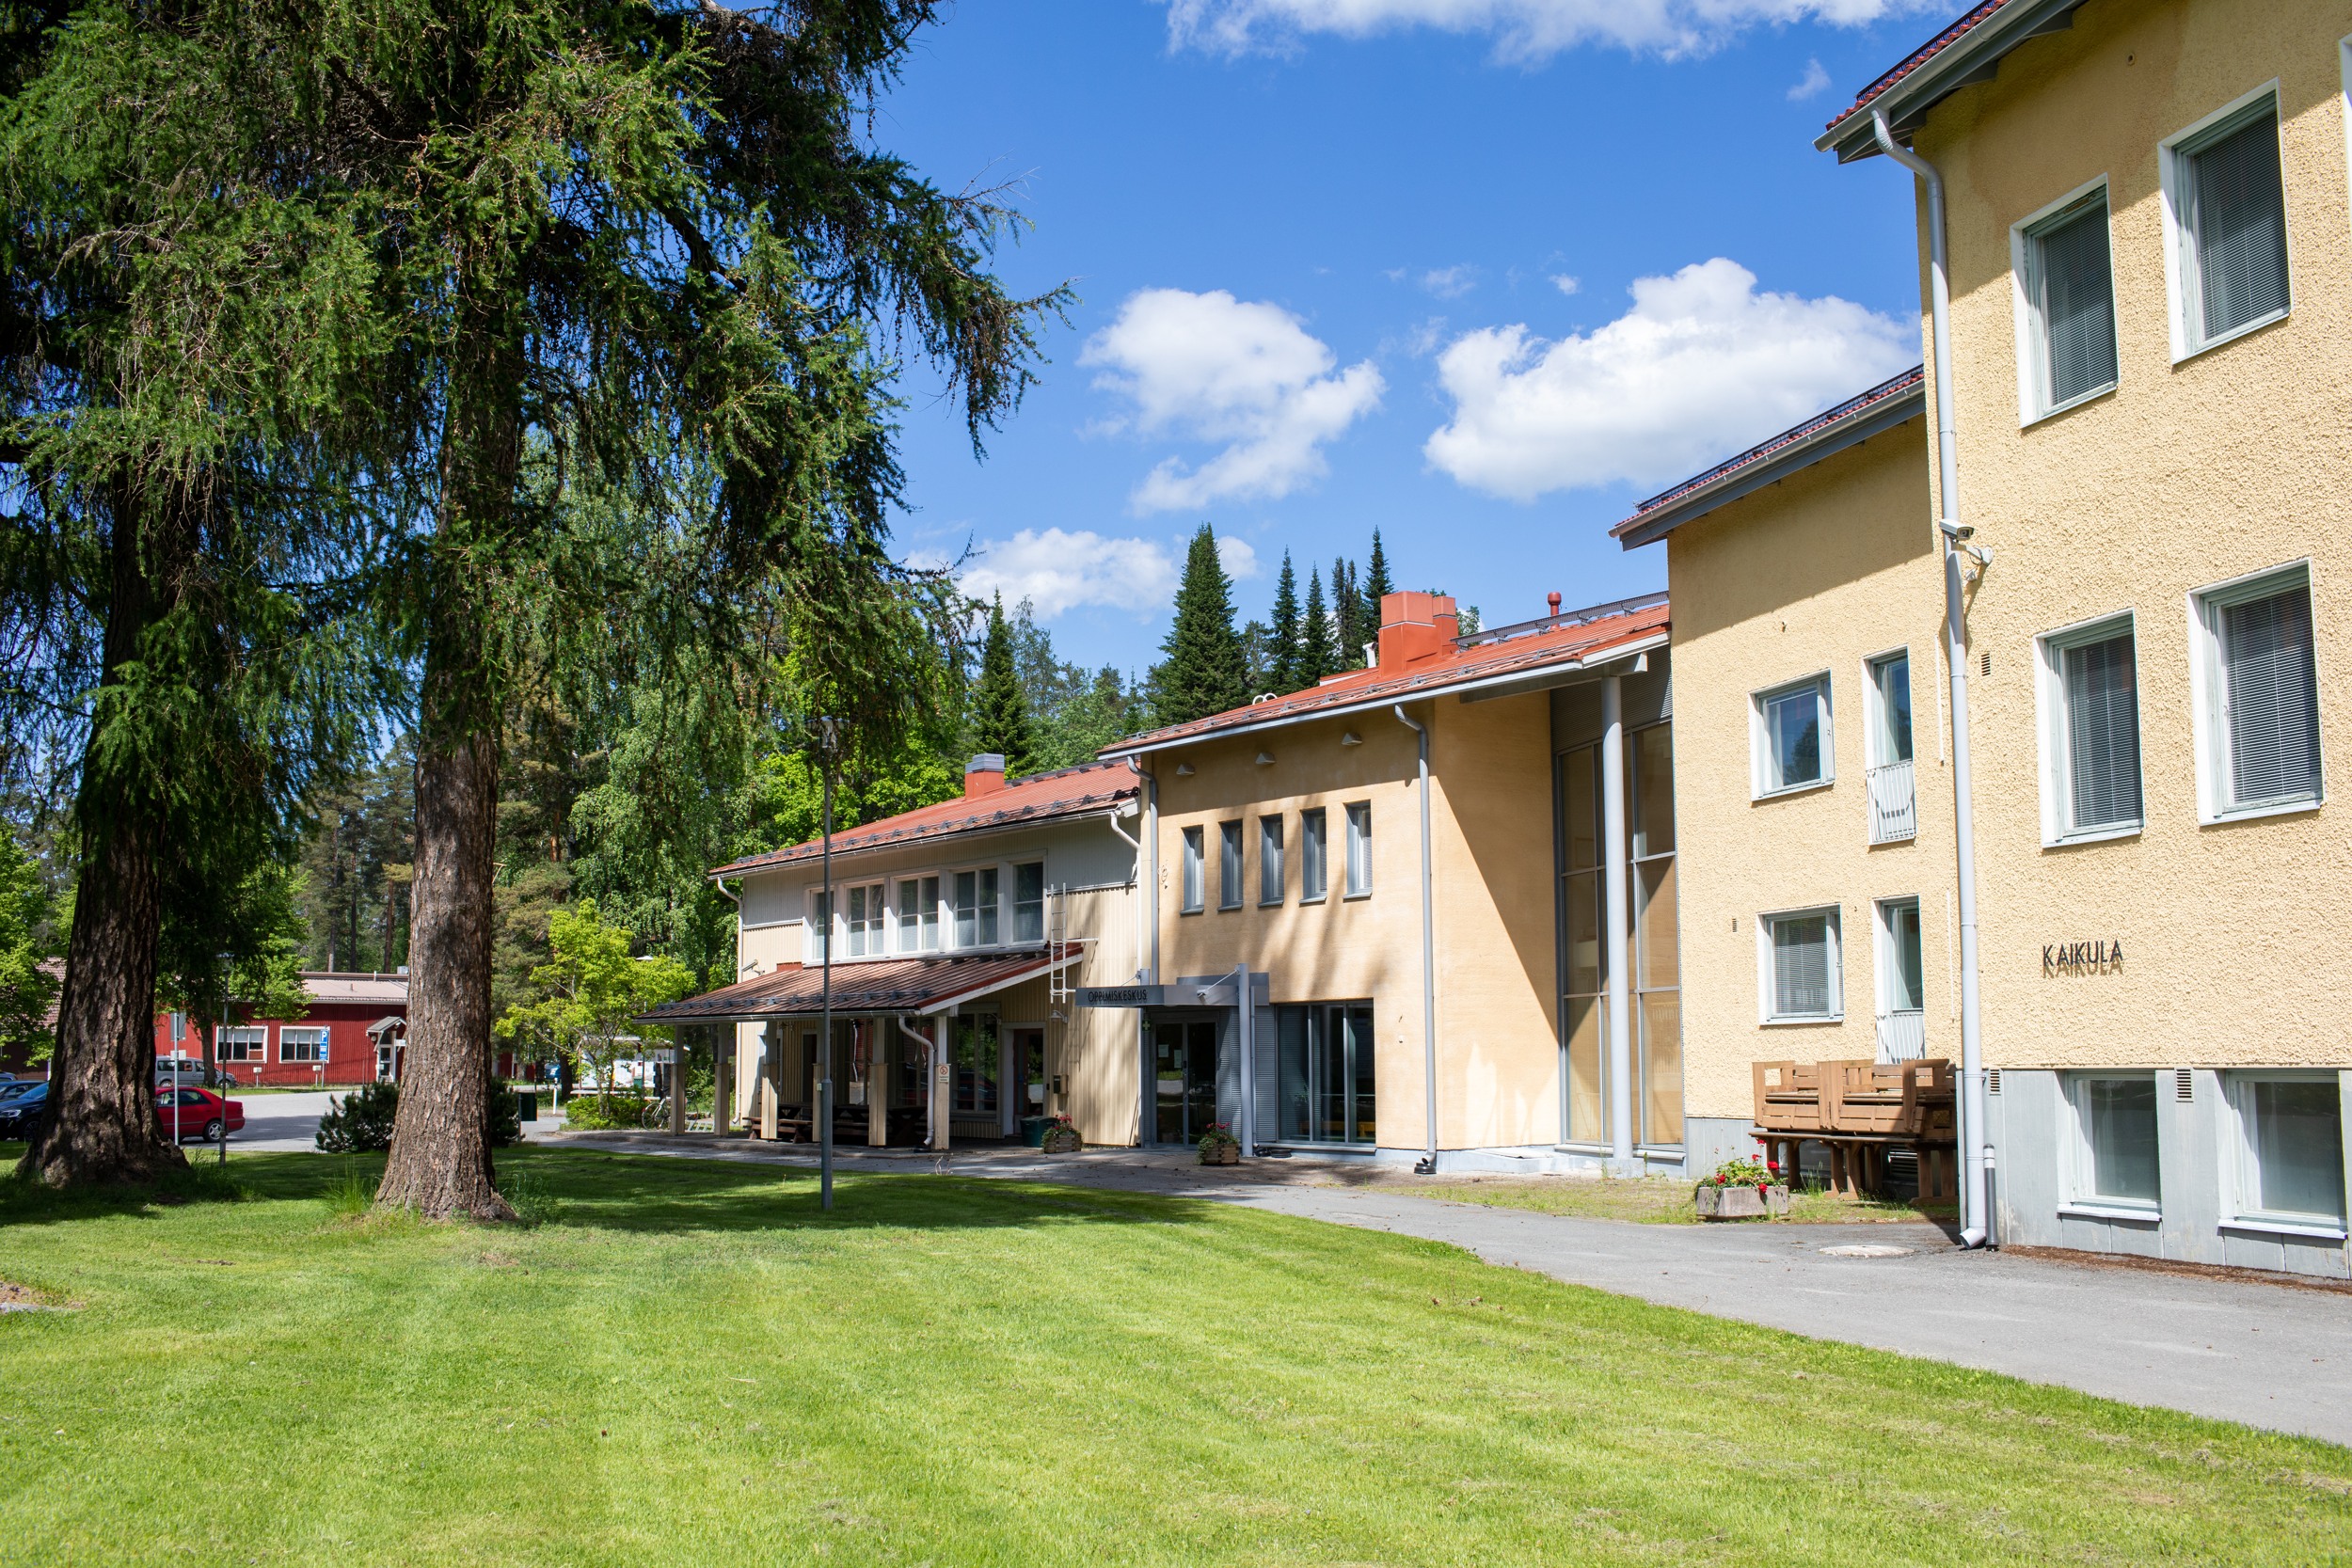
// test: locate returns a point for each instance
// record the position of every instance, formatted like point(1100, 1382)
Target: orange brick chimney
point(1414, 626)
point(983, 775)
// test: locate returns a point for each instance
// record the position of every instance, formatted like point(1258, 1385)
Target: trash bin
point(1033, 1132)
point(526, 1105)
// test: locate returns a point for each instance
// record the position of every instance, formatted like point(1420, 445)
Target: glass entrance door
point(1185, 1070)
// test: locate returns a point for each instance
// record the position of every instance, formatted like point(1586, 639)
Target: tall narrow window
point(976, 907)
point(1314, 874)
point(918, 914)
point(1801, 966)
point(1229, 866)
point(1657, 953)
point(820, 925)
point(1193, 877)
point(1903, 982)
point(1360, 849)
point(1893, 790)
point(2263, 694)
point(1792, 736)
point(866, 930)
point(1029, 902)
point(2230, 228)
point(2070, 292)
point(2092, 736)
point(1585, 957)
point(1270, 860)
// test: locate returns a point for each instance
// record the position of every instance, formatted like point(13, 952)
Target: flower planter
point(1740, 1203)
point(1222, 1154)
point(1062, 1141)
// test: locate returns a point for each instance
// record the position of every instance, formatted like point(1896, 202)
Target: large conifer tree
point(1282, 664)
point(1203, 671)
point(1314, 635)
point(1000, 710)
point(1376, 587)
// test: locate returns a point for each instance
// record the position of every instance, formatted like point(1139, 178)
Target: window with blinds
point(2230, 203)
point(2267, 687)
point(2071, 286)
point(2094, 745)
point(1801, 957)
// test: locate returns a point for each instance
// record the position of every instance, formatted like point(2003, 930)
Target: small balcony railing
point(1893, 803)
point(1902, 1036)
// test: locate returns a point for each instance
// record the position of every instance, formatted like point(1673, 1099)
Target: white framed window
point(869, 924)
point(818, 930)
point(1890, 708)
point(2225, 224)
point(1194, 872)
point(246, 1043)
point(1313, 868)
point(2255, 679)
point(1360, 849)
point(1799, 966)
point(1229, 866)
point(1902, 970)
point(2289, 1147)
point(1270, 860)
point(2091, 764)
point(918, 914)
point(1029, 902)
point(2063, 266)
point(2114, 1165)
point(1791, 727)
point(975, 907)
point(304, 1044)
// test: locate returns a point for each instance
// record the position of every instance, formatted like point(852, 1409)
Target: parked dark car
point(18, 1109)
point(197, 1113)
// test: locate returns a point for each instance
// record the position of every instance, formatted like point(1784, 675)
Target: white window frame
point(2242, 1176)
point(1012, 931)
point(1232, 863)
point(818, 933)
point(1314, 893)
point(947, 891)
point(1874, 701)
point(1759, 739)
point(1192, 886)
point(2083, 1196)
point(254, 1038)
point(1765, 974)
point(2205, 695)
point(1357, 867)
point(314, 1035)
point(869, 939)
point(928, 924)
point(1889, 960)
point(2057, 781)
point(2179, 264)
point(2033, 338)
point(1273, 862)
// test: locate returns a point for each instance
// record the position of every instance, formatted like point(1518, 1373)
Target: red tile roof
point(1853, 408)
point(1975, 17)
point(1572, 637)
point(1090, 786)
point(886, 986)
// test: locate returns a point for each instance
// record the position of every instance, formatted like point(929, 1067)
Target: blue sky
point(1348, 263)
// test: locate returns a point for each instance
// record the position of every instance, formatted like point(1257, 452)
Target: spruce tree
point(1376, 587)
point(1314, 635)
point(1000, 711)
point(1347, 617)
point(1282, 664)
point(1204, 671)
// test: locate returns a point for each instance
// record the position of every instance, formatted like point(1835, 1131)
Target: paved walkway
point(2273, 1356)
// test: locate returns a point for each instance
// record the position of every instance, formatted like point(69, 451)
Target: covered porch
point(922, 1055)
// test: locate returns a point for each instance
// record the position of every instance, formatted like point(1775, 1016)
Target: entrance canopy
point(889, 985)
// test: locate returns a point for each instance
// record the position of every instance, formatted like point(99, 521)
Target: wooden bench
point(1859, 1112)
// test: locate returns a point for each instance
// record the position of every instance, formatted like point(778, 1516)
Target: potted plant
point(1743, 1190)
point(1060, 1136)
point(1219, 1147)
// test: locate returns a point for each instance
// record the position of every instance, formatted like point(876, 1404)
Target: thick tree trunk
point(440, 1159)
point(101, 1124)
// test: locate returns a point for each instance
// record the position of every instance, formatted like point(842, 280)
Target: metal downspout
point(1976, 1216)
point(1428, 1166)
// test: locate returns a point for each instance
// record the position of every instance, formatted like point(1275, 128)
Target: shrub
point(598, 1112)
point(363, 1124)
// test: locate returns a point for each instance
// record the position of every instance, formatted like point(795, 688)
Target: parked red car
point(196, 1113)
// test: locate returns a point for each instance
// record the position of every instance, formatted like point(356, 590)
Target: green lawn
point(687, 1363)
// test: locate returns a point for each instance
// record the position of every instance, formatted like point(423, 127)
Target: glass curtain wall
point(1656, 941)
point(1324, 1081)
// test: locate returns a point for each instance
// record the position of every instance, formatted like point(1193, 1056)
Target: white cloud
point(1451, 282)
point(1058, 570)
point(1702, 366)
point(1206, 367)
point(1565, 283)
point(1813, 81)
point(1522, 29)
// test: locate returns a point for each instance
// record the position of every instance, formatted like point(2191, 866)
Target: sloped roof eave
point(860, 842)
point(1968, 49)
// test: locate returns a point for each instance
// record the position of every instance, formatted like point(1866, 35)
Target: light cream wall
point(2184, 476)
point(1823, 571)
point(1492, 856)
